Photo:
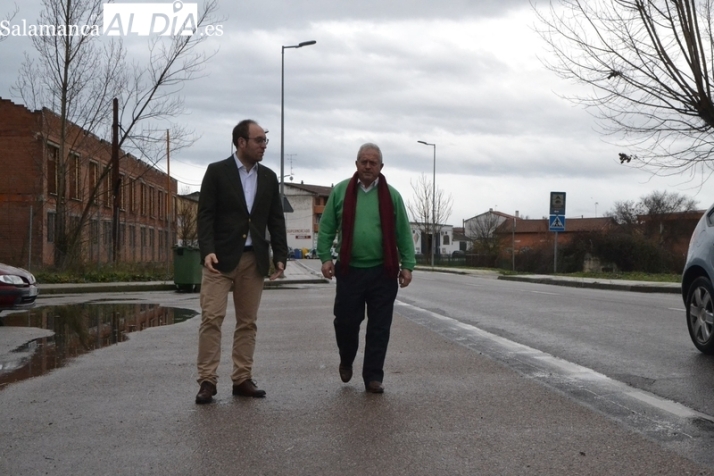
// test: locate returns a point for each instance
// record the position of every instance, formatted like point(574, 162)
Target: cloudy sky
point(462, 74)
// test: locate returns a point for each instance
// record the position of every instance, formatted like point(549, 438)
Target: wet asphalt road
point(448, 408)
point(640, 339)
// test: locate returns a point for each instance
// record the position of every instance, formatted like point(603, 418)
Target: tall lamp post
point(433, 205)
point(282, 116)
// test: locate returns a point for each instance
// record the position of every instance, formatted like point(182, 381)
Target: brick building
point(32, 169)
point(534, 234)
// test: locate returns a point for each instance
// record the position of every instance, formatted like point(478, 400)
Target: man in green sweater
point(374, 238)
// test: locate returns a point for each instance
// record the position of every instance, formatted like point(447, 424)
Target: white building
point(308, 203)
point(450, 239)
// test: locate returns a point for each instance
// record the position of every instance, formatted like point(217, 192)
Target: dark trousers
point(358, 288)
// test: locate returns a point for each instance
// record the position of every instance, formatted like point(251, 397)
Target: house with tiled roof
point(523, 234)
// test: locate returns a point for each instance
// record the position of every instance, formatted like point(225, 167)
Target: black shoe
point(345, 373)
point(374, 387)
point(247, 388)
point(206, 393)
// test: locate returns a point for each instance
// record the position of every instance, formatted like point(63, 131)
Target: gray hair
point(369, 146)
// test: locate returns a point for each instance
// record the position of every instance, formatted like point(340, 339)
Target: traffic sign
point(557, 203)
point(556, 223)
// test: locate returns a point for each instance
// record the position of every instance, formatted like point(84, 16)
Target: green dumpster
point(187, 268)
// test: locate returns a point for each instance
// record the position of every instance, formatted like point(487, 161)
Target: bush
point(630, 253)
point(106, 273)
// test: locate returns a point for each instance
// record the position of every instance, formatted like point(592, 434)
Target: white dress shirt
point(249, 180)
point(371, 186)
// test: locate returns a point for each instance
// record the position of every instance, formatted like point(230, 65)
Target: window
point(74, 222)
point(144, 198)
point(152, 242)
point(143, 240)
point(122, 191)
point(446, 239)
point(108, 191)
point(131, 191)
point(132, 236)
point(152, 201)
point(51, 227)
point(52, 163)
point(94, 180)
point(161, 204)
point(94, 232)
point(107, 225)
point(74, 176)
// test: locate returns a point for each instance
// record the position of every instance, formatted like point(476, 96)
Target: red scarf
point(386, 217)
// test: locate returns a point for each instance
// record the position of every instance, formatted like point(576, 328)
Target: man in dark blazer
point(240, 217)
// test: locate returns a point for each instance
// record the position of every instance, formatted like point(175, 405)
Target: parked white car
point(697, 278)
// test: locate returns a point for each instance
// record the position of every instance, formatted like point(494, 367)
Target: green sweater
point(367, 248)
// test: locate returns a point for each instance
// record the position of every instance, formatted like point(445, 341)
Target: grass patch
point(633, 276)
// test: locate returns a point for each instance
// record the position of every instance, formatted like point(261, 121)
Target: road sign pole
point(555, 254)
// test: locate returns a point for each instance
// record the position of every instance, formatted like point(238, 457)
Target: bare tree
point(9, 16)
point(647, 67)
point(186, 220)
point(652, 217)
point(481, 230)
point(627, 214)
point(77, 77)
point(423, 204)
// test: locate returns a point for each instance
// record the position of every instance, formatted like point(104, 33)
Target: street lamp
point(433, 205)
point(282, 116)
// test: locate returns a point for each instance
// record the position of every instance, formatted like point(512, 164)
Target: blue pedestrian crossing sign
point(556, 223)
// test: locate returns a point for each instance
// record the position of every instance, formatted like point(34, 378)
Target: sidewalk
point(295, 273)
point(129, 409)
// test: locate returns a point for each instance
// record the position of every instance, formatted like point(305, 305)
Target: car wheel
point(700, 314)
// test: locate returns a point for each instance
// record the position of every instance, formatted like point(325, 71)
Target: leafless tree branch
point(646, 68)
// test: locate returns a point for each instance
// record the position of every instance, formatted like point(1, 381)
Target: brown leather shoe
point(247, 388)
point(374, 387)
point(206, 393)
point(345, 373)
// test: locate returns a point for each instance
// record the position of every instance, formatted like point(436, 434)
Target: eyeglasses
point(260, 140)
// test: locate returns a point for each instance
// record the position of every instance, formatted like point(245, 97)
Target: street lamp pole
point(282, 116)
point(433, 205)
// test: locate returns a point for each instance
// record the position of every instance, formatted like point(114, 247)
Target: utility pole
point(169, 241)
point(116, 182)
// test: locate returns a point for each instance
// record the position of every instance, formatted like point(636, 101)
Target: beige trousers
point(246, 283)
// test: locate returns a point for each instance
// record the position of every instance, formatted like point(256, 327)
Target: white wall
point(299, 223)
point(447, 234)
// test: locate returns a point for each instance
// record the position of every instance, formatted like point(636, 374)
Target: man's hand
point(328, 269)
point(279, 268)
point(405, 277)
point(209, 261)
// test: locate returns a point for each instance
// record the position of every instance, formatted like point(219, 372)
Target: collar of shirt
point(371, 186)
point(240, 165)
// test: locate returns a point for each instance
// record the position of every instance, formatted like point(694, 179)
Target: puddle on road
point(78, 329)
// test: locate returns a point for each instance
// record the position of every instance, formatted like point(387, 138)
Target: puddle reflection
point(78, 329)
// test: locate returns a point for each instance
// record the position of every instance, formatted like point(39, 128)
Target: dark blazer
point(224, 221)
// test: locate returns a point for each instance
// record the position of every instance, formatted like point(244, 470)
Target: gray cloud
point(462, 74)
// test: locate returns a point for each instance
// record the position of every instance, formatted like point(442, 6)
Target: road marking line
point(550, 364)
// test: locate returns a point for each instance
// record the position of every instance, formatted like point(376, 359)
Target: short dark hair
point(241, 130)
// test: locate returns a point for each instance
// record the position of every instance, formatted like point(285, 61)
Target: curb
point(54, 290)
point(639, 288)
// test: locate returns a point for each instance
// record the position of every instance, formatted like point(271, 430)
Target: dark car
point(18, 288)
point(697, 278)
